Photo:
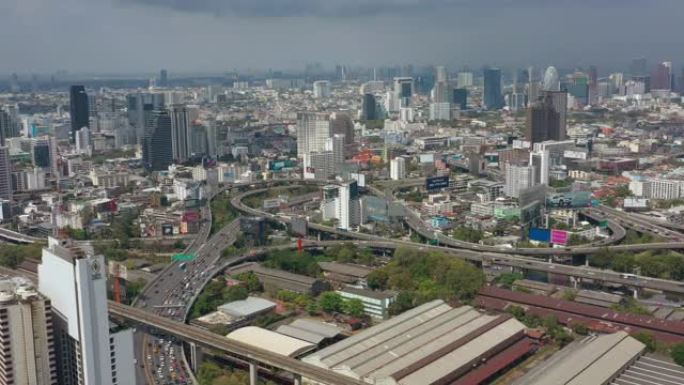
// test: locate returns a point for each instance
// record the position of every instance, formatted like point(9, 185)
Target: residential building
point(27, 344)
point(375, 303)
point(518, 178)
point(88, 351)
point(398, 168)
point(313, 129)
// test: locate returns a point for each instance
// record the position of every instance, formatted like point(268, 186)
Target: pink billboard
point(559, 237)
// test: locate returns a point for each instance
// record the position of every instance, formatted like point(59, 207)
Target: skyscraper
point(551, 80)
point(5, 174)
point(321, 89)
point(9, 123)
point(312, 131)
point(369, 107)
point(140, 107)
point(518, 178)
point(157, 142)
point(460, 98)
point(182, 118)
point(163, 78)
point(543, 121)
point(540, 160)
point(398, 168)
point(90, 353)
point(492, 96)
point(662, 76)
point(403, 92)
point(441, 74)
point(27, 335)
point(342, 124)
point(79, 109)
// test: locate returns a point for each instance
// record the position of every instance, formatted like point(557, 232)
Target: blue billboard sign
point(540, 235)
point(436, 183)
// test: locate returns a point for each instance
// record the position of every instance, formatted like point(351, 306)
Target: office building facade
point(313, 129)
point(492, 97)
point(79, 110)
point(157, 143)
point(26, 332)
point(89, 352)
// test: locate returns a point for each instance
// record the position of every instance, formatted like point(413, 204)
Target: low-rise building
point(375, 303)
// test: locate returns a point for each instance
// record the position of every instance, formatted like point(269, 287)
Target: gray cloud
point(349, 8)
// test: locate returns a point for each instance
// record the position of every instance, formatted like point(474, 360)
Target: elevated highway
point(245, 352)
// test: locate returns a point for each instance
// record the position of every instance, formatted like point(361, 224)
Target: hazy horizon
point(215, 36)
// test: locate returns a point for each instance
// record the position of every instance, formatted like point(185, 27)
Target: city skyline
point(206, 36)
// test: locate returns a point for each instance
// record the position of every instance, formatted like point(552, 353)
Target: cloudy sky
point(127, 36)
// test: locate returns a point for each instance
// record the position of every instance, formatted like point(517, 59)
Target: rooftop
point(247, 307)
point(274, 342)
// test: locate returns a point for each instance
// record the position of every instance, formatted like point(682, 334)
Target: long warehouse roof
point(593, 361)
point(429, 344)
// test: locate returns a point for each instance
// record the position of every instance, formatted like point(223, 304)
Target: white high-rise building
point(403, 92)
point(518, 178)
point(464, 79)
point(541, 163)
point(313, 129)
point(182, 118)
point(325, 164)
point(27, 335)
point(89, 352)
point(83, 141)
point(440, 111)
point(398, 168)
point(321, 89)
point(349, 206)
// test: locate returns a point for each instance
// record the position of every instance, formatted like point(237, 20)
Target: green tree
point(377, 279)
point(507, 279)
point(330, 302)
point(353, 307)
point(647, 339)
point(677, 354)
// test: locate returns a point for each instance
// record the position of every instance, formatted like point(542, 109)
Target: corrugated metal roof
point(465, 355)
point(271, 341)
point(247, 307)
point(300, 334)
point(324, 329)
point(609, 365)
point(346, 269)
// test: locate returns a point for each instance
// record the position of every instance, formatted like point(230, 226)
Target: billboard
point(571, 200)
point(118, 270)
point(167, 229)
point(574, 155)
point(559, 237)
point(540, 235)
point(271, 203)
point(436, 183)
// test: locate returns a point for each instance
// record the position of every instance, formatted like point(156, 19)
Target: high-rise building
point(460, 98)
point(44, 153)
point(157, 142)
point(398, 168)
point(342, 124)
point(540, 160)
point(551, 80)
point(79, 109)
point(441, 74)
point(26, 326)
point(83, 141)
point(464, 79)
point(492, 96)
point(440, 111)
point(543, 121)
point(140, 107)
point(5, 174)
point(163, 78)
point(662, 76)
point(403, 92)
point(328, 163)
point(90, 352)
point(518, 178)
point(321, 89)
point(313, 129)
point(440, 92)
point(349, 205)
point(9, 123)
point(182, 118)
point(369, 107)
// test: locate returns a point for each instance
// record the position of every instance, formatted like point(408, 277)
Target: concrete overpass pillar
point(253, 374)
point(636, 293)
point(297, 379)
point(550, 259)
point(195, 357)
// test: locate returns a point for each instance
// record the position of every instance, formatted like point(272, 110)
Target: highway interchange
point(172, 292)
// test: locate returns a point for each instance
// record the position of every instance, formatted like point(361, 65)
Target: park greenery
point(211, 373)
point(222, 212)
point(421, 276)
point(13, 255)
point(306, 263)
point(215, 294)
point(652, 263)
point(466, 234)
point(677, 354)
point(550, 324)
